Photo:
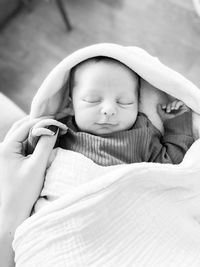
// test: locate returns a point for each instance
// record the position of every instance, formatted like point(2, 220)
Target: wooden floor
point(34, 42)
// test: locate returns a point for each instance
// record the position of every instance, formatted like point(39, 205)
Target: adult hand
point(21, 178)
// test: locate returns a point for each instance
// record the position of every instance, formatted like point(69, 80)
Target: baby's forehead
point(87, 65)
point(103, 61)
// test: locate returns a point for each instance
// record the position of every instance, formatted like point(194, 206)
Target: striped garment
point(142, 143)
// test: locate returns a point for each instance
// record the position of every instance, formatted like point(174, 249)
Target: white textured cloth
point(137, 215)
point(124, 215)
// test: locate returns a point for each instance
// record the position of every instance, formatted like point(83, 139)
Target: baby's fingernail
point(53, 128)
point(64, 126)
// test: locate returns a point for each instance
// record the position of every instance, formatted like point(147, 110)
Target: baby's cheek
point(83, 121)
point(129, 124)
point(129, 117)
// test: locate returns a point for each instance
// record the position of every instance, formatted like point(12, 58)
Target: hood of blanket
point(52, 96)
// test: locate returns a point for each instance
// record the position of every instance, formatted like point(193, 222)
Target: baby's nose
point(109, 110)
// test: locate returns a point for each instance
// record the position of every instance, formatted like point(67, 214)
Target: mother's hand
point(21, 180)
point(22, 177)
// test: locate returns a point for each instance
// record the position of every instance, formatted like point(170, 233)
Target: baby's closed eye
point(98, 99)
point(92, 99)
point(125, 102)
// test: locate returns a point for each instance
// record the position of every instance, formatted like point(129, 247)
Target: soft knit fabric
point(142, 143)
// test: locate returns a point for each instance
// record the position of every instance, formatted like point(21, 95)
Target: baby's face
point(104, 98)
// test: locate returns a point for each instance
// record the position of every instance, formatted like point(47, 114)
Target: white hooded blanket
point(137, 215)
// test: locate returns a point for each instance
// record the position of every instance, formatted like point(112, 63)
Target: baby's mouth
point(107, 124)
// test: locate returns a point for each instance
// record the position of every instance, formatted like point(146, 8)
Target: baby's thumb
point(44, 148)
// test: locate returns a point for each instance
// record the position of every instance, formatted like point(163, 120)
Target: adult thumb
point(43, 149)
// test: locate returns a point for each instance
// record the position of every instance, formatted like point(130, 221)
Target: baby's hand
point(48, 127)
point(172, 110)
point(44, 127)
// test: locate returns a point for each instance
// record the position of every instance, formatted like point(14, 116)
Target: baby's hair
point(71, 78)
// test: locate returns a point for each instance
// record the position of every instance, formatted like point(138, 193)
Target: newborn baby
point(106, 125)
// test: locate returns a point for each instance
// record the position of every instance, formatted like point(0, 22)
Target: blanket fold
point(138, 215)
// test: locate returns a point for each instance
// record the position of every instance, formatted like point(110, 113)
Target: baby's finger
point(173, 105)
point(163, 106)
point(178, 104)
point(168, 108)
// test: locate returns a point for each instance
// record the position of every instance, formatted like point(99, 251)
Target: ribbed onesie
point(142, 143)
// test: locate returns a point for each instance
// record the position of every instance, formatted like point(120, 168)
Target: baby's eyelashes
point(92, 99)
point(125, 102)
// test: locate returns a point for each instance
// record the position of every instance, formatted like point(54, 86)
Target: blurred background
point(36, 34)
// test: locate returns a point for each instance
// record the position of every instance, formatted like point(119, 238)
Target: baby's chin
point(107, 130)
point(104, 132)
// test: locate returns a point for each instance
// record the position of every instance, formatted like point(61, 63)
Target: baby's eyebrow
point(92, 90)
point(91, 95)
point(130, 96)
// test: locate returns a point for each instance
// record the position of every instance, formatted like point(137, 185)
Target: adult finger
point(21, 133)
point(16, 125)
point(36, 132)
point(43, 150)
